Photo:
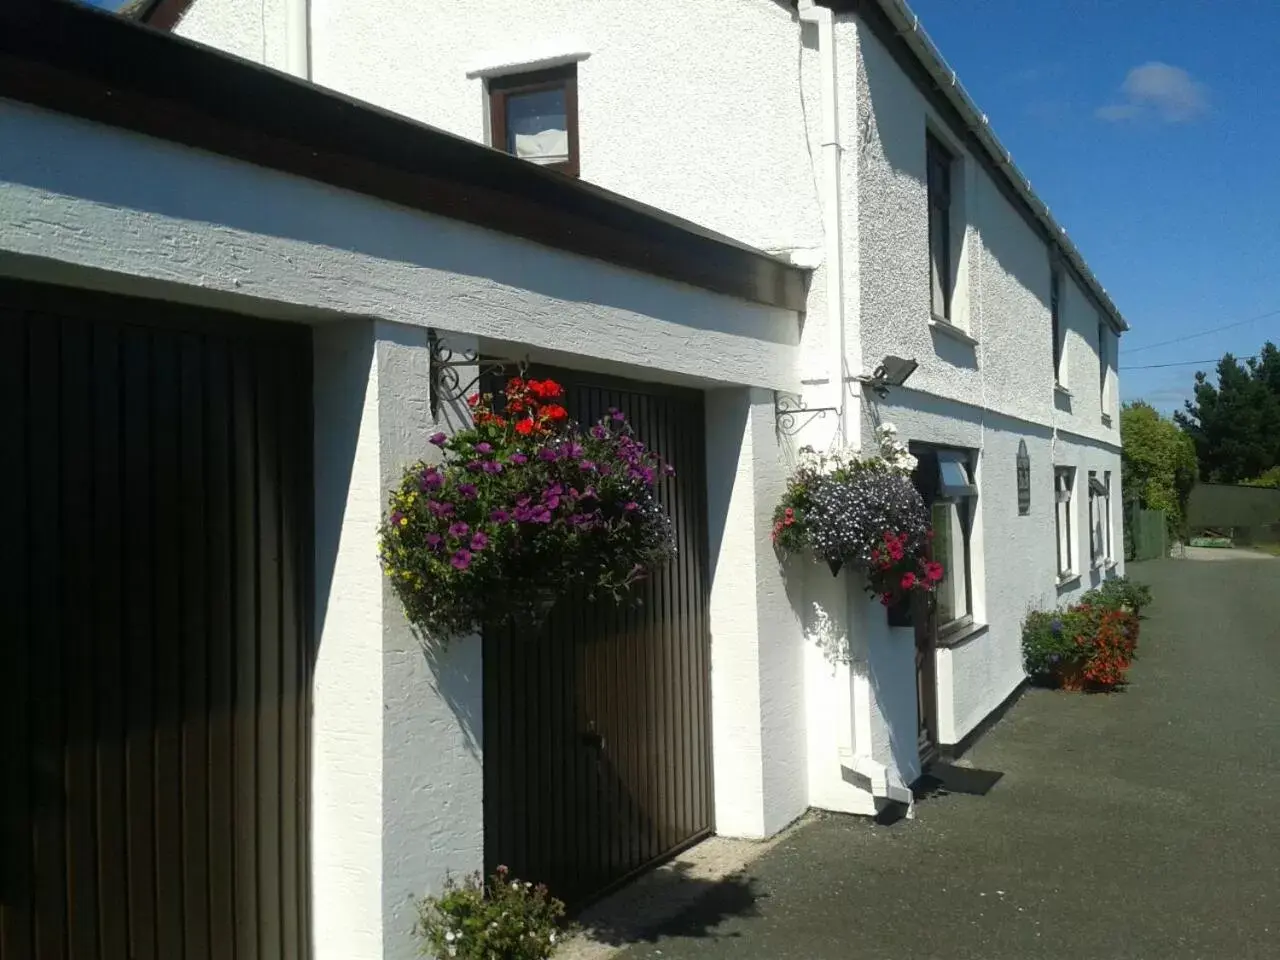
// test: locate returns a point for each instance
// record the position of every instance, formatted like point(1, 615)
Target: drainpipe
point(832, 212)
point(881, 782)
point(297, 38)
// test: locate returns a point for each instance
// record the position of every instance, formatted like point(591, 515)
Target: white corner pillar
point(397, 785)
point(757, 669)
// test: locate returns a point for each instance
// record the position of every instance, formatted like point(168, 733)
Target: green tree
point(1270, 479)
point(1235, 424)
point(1157, 462)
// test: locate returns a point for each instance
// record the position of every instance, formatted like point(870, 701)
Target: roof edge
point(73, 59)
point(906, 23)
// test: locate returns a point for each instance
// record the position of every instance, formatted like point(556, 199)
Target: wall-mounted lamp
point(892, 372)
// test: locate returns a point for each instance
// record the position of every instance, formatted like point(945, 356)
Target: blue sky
point(1152, 131)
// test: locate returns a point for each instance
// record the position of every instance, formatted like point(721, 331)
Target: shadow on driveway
point(1134, 825)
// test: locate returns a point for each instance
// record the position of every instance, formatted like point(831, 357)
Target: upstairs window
point(939, 163)
point(1055, 318)
point(1103, 354)
point(534, 116)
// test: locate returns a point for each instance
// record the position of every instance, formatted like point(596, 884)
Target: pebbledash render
point(831, 199)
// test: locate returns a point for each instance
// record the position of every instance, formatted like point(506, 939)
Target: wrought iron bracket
point(446, 380)
point(790, 414)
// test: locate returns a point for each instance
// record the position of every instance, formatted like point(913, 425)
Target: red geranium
point(553, 411)
point(524, 427)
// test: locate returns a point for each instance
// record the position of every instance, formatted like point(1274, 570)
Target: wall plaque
point(1024, 479)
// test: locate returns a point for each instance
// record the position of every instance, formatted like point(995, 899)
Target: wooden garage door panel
point(154, 661)
point(596, 728)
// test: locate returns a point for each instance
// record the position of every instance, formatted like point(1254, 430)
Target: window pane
point(537, 128)
point(949, 550)
point(938, 266)
point(954, 473)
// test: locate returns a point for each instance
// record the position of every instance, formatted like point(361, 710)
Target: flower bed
point(863, 511)
point(1090, 645)
point(526, 507)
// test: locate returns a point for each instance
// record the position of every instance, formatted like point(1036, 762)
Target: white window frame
point(1064, 480)
point(955, 486)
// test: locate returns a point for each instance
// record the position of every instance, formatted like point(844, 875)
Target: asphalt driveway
point(1141, 824)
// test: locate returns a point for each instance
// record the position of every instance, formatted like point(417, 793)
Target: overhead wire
point(1203, 333)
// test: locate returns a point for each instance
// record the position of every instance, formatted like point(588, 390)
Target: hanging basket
point(901, 612)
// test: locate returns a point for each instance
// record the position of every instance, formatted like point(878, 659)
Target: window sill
point(1068, 579)
point(952, 331)
point(959, 635)
point(1111, 564)
point(1062, 391)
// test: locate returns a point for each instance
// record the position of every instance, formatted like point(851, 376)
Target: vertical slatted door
point(154, 665)
point(596, 727)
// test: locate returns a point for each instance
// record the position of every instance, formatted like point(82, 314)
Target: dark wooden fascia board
point(84, 62)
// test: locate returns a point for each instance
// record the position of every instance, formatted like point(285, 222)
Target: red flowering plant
point(865, 511)
point(526, 506)
point(1088, 645)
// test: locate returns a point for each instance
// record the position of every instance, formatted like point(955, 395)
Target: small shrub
point(1049, 639)
point(506, 918)
point(1099, 641)
point(1119, 593)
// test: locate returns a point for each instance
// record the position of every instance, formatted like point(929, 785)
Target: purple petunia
point(582, 520)
point(475, 465)
point(590, 494)
point(459, 529)
point(616, 415)
point(499, 516)
point(587, 465)
point(519, 458)
point(467, 491)
point(434, 540)
point(541, 515)
point(396, 517)
point(439, 508)
point(437, 439)
point(484, 448)
point(573, 449)
point(461, 560)
point(492, 466)
point(552, 491)
point(599, 432)
point(548, 454)
point(551, 503)
point(523, 514)
point(479, 541)
point(631, 505)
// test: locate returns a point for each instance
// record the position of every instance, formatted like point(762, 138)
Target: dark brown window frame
point(939, 172)
point(1055, 316)
point(552, 78)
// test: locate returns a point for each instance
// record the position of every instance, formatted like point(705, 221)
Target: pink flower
point(461, 560)
point(933, 571)
point(908, 580)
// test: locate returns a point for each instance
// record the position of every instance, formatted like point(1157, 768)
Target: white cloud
point(1158, 90)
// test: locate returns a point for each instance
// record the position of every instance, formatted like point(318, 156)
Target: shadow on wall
point(127, 172)
point(901, 137)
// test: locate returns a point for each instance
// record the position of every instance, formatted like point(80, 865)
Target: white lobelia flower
point(450, 936)
point(553, 936)
point(886, 430)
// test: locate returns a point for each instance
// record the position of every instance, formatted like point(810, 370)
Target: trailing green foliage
point(1119, 593)
point(1270, 480)
point(1157, 463)
point(505, 918)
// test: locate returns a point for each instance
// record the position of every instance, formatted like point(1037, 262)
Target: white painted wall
point(397, 792)
point(757, 666)
point(252, 29)
point(985, 396)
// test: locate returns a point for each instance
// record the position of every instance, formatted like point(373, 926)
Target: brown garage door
point(597, 742)
point(154, 570)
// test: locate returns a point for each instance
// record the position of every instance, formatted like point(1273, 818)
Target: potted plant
point(1085, 647)
point(526, 506)
point(864, 511)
